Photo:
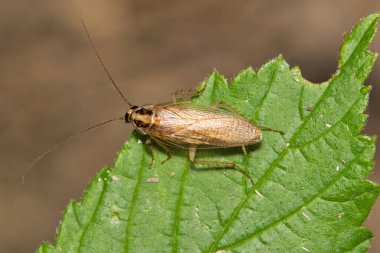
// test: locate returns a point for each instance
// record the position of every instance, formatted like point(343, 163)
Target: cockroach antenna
point(62, 142)
point(102, 63)
point(184, 125)
point(76, 135)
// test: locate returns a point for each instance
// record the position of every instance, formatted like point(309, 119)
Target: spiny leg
point(165, 148)
point(244, 150)
point(232, 165)
point(271, 129)
point(148, 144)
point(222, 104)
point(179, 94)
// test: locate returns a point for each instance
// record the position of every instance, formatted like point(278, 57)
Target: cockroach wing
point(187, 124)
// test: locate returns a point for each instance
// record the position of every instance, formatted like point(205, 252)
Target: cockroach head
point(128, 115)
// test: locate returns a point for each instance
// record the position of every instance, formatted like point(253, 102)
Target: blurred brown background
point(51, 84)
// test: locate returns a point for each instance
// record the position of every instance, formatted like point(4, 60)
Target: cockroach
point(182, 125)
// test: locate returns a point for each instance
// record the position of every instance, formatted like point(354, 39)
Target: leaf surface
point(310, 192)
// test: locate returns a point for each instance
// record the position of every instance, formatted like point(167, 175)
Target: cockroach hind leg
point(224, 105)
point(271, 129)
point(179, 95)
point(231, 165)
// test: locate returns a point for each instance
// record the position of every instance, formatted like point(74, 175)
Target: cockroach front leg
point(148, 145)
point(232, 165)
point(165, 148)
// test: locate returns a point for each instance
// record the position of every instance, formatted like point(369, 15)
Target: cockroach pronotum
point(182, 125)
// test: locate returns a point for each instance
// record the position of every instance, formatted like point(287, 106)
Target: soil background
point(51, 85)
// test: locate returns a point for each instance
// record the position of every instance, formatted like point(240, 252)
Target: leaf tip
point(359, 37)
point(45, 247)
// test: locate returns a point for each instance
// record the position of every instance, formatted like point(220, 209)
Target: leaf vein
point(298, 209)
point(177, 213)
point(270, 169)
point(133, 206)
point(300, 106)
point(92, 219)
point(261, 103)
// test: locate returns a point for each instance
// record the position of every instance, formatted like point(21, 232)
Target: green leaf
point(310, 192)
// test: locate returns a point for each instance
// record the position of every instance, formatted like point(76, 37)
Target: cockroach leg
point(271, 129)
point(174, 97)
point(192, 151)
point(244, 150)
point(179, 94)
point(232, 165)
point(166, 149)
point(168, 156)
point(148, 144)
point(224, 105)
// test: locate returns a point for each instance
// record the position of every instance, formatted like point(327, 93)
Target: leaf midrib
point(303, 205)
point(283, 153)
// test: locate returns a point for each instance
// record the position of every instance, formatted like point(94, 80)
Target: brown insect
point(183, 125)
point(191, 126)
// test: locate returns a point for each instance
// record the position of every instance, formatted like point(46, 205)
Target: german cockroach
point(182, 125)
